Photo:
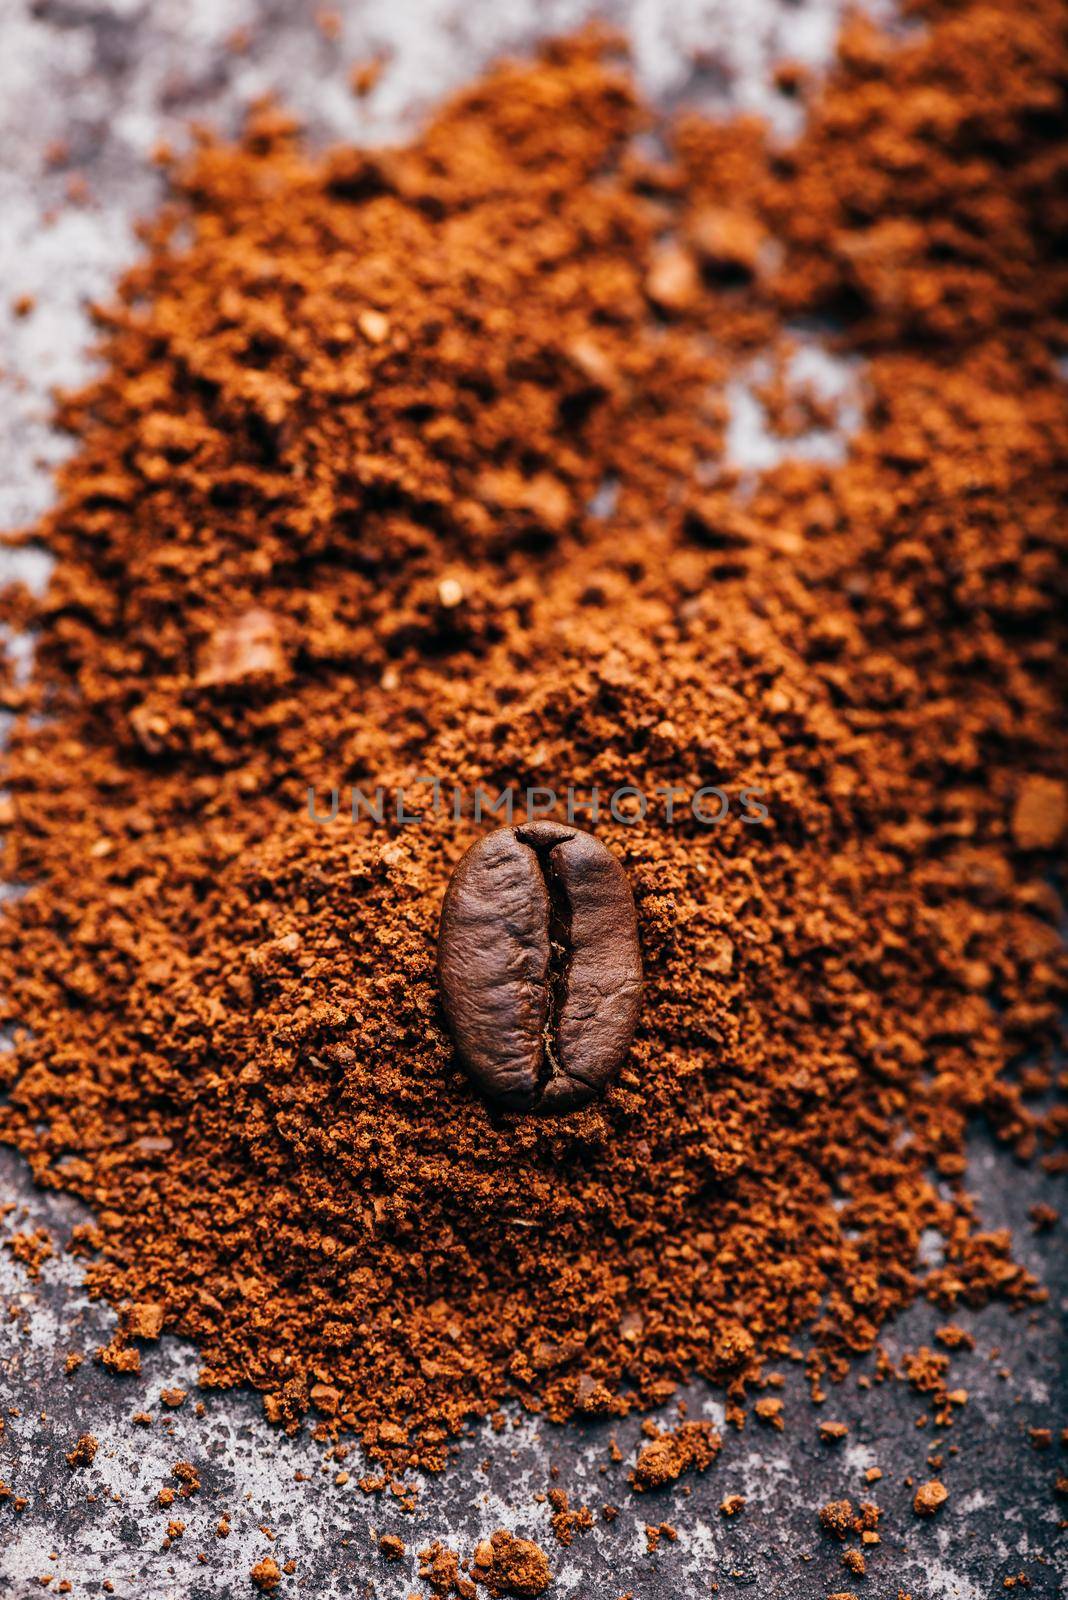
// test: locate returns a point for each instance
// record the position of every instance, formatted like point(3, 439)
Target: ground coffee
point(418, 462)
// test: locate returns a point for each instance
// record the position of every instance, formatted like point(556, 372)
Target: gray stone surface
point(110, 78)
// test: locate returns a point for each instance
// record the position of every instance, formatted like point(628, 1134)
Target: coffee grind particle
point(929, 1498)
point(415, 462)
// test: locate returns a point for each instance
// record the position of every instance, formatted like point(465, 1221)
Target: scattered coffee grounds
point(539, 965)
point(654, 1533)
point(417, 463)
point(439, 1569)
point(837, 1517)
point(567, 1520)
point(188, 1477)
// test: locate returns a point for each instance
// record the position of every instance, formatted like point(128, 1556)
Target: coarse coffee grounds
point(415, 463)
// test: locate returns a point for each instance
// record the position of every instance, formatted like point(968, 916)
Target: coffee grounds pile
point(416, 463)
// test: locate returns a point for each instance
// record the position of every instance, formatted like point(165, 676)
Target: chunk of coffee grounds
point(929, 1498)
point(84, 1452)
point(145, 1321)
point(417, 415)
point(511, 1566)
point(691, 1447)
point(266, 1574)
point(768, 1410)
point(31, 1248)
point(838, 1518)
point(439, 1569)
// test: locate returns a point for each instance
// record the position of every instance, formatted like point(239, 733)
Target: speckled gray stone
point(111, 77)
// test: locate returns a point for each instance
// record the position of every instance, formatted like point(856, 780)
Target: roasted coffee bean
point(539, 965)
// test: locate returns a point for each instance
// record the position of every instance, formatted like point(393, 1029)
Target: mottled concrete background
point(109, 79)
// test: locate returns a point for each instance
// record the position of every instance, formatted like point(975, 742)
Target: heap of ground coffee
point(414, 463)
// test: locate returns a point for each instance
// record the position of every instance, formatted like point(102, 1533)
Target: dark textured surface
point(109, 79)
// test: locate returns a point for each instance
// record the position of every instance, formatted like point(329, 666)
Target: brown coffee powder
point(414, 462)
